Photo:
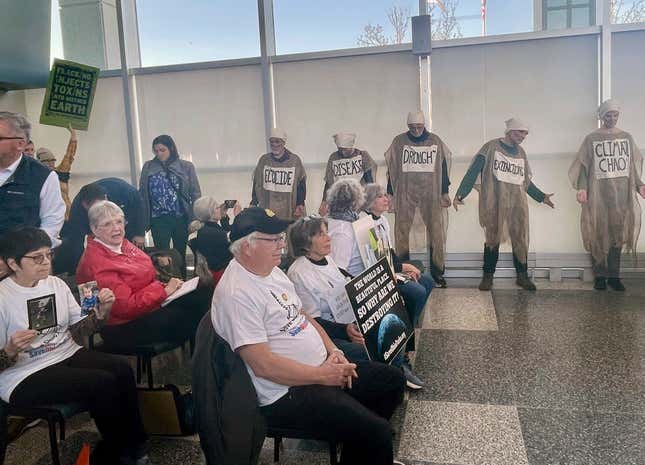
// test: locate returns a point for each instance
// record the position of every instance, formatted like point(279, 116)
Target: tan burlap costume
point(503, 206)
point(415, 171)
point(354, 166)
point(275, 183)
point(609, 166)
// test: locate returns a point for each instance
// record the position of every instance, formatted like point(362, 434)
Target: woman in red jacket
point(137, 317)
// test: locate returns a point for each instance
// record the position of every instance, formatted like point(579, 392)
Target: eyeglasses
point(110, 224)
point(276, 240)
point(10, 138)
point(39, 259)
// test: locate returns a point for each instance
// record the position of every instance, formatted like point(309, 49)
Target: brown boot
point(487, 282)
point(525, 282)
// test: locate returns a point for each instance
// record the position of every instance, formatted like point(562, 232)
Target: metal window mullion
point(267, 52)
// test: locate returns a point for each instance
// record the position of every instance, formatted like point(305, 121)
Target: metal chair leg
point(148, 362)
point(333, 453)
point(138, 369)
point(53, 441)
point(277, 442)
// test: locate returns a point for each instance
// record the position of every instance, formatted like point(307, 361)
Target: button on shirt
point(52, 206)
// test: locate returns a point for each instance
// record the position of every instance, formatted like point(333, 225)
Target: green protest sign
point(69, 96)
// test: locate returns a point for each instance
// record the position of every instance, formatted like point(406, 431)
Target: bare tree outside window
point(633, 12)
point(444, 25)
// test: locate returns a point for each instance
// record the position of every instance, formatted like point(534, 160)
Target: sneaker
point(616, 284)
point(487, 282)
point(525, 282)
point(397, 462)
point(600, 284)
point(439, 281)
point(412, 381)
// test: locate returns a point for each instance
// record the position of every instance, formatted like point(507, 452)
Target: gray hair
point(372, 192)
point(345, 195)
point(236, 246)
point(103, 209)
point(203, 209)
point(20, 125)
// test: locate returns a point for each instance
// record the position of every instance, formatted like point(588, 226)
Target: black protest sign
point(70, 94)
point(380, 314)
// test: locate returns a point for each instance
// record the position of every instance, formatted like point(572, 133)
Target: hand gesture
point(337, 371)
point(19, 341)
point(173, 285)
point(106, 299)
point(354, 334)
point(72, 132)
point(445, 200)
point(457, 201)
point(411, 270)
point(547, 200)
point(299, 211)
point(641, 191)
point(323, 209)
point(581, 196)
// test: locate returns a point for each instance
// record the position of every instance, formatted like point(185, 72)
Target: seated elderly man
point(301, 378)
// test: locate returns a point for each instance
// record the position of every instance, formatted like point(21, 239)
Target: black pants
point(357, 418)
point(165, 228)
point(176, 322)
point(610, 268)
point(491, 256)
point(103, 382)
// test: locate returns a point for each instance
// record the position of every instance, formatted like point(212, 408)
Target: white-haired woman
point(345, 199)
point(607, 175)
point(212, 225)
point(137, 317)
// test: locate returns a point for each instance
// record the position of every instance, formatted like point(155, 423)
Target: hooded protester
point(418, 165)
point(504, 180)
point(279, 180)
point(347, 162)
point(607, 175)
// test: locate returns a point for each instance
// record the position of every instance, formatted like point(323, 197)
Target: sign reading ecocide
point(380, 314)
point(69, 96)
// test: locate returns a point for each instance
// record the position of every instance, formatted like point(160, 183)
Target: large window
point(562, 14)
point(172, 31)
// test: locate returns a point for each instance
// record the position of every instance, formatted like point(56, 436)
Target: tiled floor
point(555, 377)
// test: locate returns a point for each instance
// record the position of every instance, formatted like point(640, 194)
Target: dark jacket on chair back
point(229, 422)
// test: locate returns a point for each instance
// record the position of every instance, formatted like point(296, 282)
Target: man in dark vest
point(77, 226)
point(29, 191)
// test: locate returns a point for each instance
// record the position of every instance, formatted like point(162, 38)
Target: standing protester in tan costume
point(64, 168)
point(347, 162)
point(279, 180)
point(607, 175)
point(505, 179)
point(418, 164)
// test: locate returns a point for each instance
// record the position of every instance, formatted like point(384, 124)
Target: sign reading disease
point(69, 96)
point(380, 314)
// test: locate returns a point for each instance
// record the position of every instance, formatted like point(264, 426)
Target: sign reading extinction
point(69, 96)
point(380, 314)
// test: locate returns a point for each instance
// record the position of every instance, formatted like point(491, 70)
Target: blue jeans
point(415, 294)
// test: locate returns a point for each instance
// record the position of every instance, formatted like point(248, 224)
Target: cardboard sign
point(419, 159)
point(611, 158)
point(276, 179)
point(380, 314)
point(70, 94)
point(508, 169)
point(348, 168)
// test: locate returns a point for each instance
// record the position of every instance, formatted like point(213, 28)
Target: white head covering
point(416, 117)
point(345, 140)
point(607, 106)
point(515, 124)
point(277, 133)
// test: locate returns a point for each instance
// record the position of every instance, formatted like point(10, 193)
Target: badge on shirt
point(277, 179)
point(611, 158)
point(347, 168)
point(508, 169)
point(418, 159)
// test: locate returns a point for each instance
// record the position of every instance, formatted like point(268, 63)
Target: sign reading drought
point(380, 314)
point(70, 94)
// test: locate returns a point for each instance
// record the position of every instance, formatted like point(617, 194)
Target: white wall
point(628, 86)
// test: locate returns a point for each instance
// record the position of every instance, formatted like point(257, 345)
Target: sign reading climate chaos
point(69, 96)
point(380, 314)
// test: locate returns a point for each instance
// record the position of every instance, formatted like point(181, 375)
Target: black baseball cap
point(256, 219)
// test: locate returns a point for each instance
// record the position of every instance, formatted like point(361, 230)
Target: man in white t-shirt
point(302, 380)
